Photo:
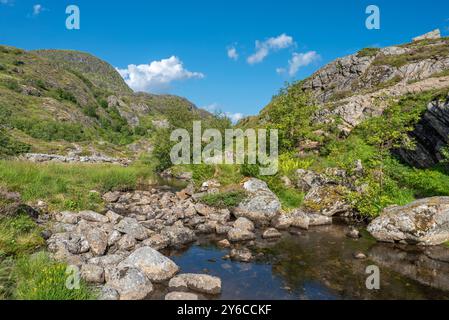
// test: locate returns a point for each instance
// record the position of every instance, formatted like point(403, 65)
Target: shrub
point(368, 52)
point(224, 200)
point(11, 84)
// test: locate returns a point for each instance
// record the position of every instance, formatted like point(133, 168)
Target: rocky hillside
point(350, 90)
point(61, 102)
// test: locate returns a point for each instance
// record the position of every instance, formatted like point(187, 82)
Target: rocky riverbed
point(162, 244)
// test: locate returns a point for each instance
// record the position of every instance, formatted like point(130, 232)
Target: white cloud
point(264, 48)
point(158, 75)
point(299, 60)
point(37, 9)
point(232, 53)
point(216, 109)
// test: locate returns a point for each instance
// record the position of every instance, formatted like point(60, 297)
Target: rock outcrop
point(423, 222)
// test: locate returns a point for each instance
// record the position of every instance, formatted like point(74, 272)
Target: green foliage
point(11, 84)
point(62, 95)
point(19, 235)
point(2, 67)
point(417, 53)
point(291, 113)
point(10, 146)
point(224, 200)
point(90, 111)
point(288, 164)
point(368, 52)
point(66, 186)
point(50, 130)
point(38, 277)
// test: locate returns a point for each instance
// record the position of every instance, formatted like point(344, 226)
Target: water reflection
point(319, 264)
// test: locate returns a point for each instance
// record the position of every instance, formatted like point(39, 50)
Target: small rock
point(92, 273)
point(113, 217)
point(224, 243)
point(114, 237)
point(271, 233)
point(243, 255)
point(244, 224)
point(236, 235)
point(127, 243)
point(203, 210)
point(353, 233)
point(197, 282)
point(282, 221)
point(98, 241)
point(133, 228)
point(157, 242)
point(108, 293)
point(359, 256)
point(111, 197)
point(183, 296)
point(93, 216)
point(300, 220)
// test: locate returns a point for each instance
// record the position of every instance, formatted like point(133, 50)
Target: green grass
point(224, 200)
point(19, 235)
point(67, 186)
point(368, 52)
point(38, 277)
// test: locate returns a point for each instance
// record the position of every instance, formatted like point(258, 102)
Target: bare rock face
point(261, 205)
point(423, 222)
point(154, 265)
point(327, 200)
point(196, 282)
point(432, 35)
point(431, 135)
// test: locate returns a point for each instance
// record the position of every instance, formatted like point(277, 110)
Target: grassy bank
point(70, 186)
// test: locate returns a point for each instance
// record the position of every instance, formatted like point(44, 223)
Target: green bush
point(11, 84)
point(50, 130)
point(224, 200)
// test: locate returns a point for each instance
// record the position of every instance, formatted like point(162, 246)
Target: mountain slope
point(351, 90)
point(63, 101)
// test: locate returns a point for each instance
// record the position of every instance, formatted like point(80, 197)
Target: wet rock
point(182, 296)
point(423, 222)
point(271, 233)
point(244, 224)
point(282, 221)
point(154, 265)
point(133, 228)
point(92, 273)
point(242, 255)
point(261, 204)
point(92, 216)
point(207, 228)
point(236, 235)
point(224, 243)
point(359, 256)
point(318, 220)
point(300, 219)
point(131, 284)
point(353, 233)
point(196, 282)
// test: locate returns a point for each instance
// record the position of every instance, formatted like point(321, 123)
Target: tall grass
point(67, 186)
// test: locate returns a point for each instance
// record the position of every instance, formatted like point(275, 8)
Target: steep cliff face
point(353, 89)
point(431, 136)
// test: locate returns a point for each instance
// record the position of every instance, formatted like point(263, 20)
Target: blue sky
point(181, 47)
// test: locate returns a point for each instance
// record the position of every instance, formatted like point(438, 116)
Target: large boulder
point(261, 205)
point(327, 200)
point(179, 235)
point(423, 222)
point(154, 265)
